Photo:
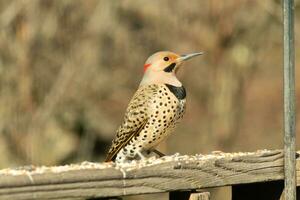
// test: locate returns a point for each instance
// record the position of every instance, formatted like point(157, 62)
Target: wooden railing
point(255, 175)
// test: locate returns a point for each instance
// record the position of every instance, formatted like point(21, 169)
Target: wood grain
point(167, 174)
point(200, 196)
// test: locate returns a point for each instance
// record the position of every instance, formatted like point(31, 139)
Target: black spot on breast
point(179, 92)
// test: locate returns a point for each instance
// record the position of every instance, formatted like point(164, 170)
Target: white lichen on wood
point(152, 175)
point(135, 164)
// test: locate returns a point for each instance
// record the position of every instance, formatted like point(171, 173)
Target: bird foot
point(141, 155)
point(160, 154)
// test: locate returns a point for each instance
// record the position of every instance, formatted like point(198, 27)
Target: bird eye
point(166, 58)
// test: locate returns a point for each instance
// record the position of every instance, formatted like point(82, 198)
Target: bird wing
point(135, 119)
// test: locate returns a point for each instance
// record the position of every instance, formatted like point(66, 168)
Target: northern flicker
point(155, 109)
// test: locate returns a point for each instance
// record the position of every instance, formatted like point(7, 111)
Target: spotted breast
point(151, 117)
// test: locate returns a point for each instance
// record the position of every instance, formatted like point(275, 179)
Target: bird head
point(162, 66)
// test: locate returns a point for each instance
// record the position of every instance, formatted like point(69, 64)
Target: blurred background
point(68, 69)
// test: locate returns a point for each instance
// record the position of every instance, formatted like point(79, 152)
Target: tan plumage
point(153, 112)
point(136, 117)
point(151, 116)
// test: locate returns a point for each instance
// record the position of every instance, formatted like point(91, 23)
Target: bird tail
point(110, 158)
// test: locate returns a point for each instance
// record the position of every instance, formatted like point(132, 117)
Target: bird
point(155, 109)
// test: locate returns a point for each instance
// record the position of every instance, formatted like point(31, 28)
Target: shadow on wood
point(189, 195)
point(180, 195)
point(258, 191)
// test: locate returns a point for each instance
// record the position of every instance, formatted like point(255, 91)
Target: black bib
point(179, 92)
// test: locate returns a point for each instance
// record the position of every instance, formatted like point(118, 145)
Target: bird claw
point(160, 154)
point(141, 155)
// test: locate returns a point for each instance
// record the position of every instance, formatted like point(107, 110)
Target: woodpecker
point(154, 110)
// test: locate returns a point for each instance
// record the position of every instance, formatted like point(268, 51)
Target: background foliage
point(68, 69)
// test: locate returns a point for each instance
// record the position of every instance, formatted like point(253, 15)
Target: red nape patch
point(146, 66)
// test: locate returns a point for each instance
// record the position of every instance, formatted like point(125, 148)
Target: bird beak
point(188, 56)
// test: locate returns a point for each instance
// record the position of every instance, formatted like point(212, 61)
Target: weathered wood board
point(166, 174)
